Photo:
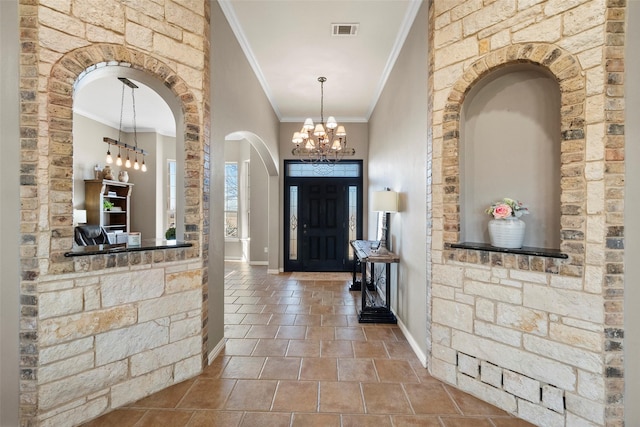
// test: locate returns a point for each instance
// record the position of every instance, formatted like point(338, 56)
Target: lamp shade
point(384, 201)
point(79, 216)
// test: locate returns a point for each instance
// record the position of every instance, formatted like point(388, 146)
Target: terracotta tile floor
point(297, 356)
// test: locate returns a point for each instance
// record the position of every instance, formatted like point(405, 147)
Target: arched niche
point(565, 69)
point(92, 123)
point(510, 147)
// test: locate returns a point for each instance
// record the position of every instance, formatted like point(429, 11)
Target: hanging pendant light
point(109, 158)
point(330, 145)
point(119, 158)
point(129, 148)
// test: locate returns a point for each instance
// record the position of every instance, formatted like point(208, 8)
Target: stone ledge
point(525, 250)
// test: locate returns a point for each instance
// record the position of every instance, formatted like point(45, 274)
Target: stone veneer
point(97, 332)
point(538, 337)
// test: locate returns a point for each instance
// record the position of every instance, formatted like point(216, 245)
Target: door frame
point(357, 181)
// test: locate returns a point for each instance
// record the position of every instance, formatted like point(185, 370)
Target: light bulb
point(109, 158)
point(144, 166)
point(119, 160)
point(136, 165)
point(127, 164)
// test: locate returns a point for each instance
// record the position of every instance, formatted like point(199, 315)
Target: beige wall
point(237, 105)
point(9, 215)
point(398, 160)
point(632, 224)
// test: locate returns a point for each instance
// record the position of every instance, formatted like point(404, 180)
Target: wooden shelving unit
point(115, 220)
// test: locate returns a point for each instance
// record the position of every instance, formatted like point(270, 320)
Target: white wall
point(632, 224)
point(398, 160)
point(9, 214)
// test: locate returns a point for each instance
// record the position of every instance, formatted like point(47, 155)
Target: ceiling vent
point(344, 29)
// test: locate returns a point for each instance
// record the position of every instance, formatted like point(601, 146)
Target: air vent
point(344, 29)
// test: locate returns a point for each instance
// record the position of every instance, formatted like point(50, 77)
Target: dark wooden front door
point(323, 225)
point(321, 214)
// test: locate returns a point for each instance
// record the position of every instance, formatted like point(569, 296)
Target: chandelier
point(128, 148)
point(322, 142)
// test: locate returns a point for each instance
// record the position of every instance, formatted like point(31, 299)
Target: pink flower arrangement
point(507, 208)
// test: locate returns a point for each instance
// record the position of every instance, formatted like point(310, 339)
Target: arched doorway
point(253, 214)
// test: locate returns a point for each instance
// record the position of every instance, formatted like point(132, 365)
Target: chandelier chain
point(322, 80)
point(135, 128)
point(121, 113)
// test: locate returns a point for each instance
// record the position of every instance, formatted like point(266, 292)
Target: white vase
point(123, 176)
point(507, 233)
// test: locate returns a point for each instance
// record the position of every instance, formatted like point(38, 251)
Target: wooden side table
point(373, 309)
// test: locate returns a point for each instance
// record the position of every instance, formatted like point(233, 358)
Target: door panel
point(322, 217)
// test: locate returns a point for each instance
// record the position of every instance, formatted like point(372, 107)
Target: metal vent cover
point(344, 29)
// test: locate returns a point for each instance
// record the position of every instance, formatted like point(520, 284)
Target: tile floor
point(297, 356)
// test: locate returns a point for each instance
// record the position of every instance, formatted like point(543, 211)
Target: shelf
point(525, 250)
point(118, 193)
point(146, 245)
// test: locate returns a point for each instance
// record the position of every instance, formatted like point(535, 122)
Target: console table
point(373, 310)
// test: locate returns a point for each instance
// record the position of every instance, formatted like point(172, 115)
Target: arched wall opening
point(149, 200)
point(257, 237)
point(183, 103)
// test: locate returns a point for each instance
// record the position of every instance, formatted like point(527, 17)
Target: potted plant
point(170, 234)
point(107, 205)
point(506, 229)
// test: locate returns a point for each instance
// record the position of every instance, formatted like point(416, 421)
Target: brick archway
point(567, 71)
point(64, 75)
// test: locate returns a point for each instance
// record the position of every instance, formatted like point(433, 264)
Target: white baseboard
point(259, 263)
point(274, 271)
point(413, 343)
point(216, 350)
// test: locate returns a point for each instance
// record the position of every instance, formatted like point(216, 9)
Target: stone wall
point(110, 339)
point(98, 331)
point(539, 337)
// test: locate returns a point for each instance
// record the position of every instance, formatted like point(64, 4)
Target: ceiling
point(289, 44)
